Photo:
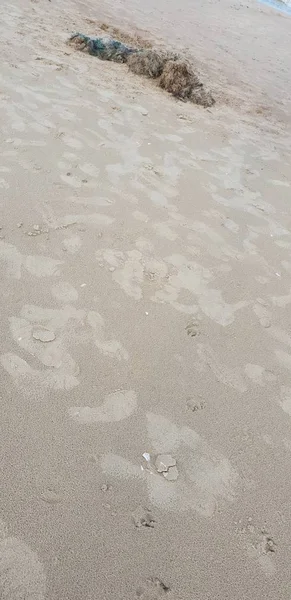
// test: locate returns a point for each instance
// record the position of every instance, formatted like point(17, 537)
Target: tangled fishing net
point(149, 63)
point(104, 48)
point(172, 72)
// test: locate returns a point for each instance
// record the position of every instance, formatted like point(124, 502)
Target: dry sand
point(146, 296)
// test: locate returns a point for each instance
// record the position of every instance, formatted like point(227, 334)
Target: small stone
point(19, 225)
point(43, 335)
point(171, 474)
point(144, 113)
point(164, 461)
point(111, 269)
point(36, 228)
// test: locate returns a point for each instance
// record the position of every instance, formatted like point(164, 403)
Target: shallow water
point(284, 6)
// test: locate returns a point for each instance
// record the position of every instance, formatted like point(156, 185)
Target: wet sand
point(145, 270)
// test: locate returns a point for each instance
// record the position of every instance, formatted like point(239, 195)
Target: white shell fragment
point(164, 462)
point(146, 456)
point(171, 474)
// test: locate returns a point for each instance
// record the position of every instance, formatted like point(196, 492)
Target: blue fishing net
point(104, 48)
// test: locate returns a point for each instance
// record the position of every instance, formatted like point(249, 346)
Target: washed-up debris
point(149, 63)
point(166, 465)
point(173, 72)
point(104, 48)
point(148, 464)
point(179, 79)
point(43, 335)
point(146, 456)
point(142, 517)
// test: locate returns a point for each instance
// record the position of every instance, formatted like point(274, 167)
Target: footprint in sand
point(21, 574)
point(117, 406)
point(36, 265)
point(112, 348)
point(45, 334)
point(153, 589)
point(205, 478)
point(226, 375)
point(64, 292)
point(259, 546)
point(192, 329)
point(259, 375)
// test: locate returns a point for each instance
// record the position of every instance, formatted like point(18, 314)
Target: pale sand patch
point(116, 407)
point(21, 573)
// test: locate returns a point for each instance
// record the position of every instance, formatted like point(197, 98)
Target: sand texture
point(145, 263)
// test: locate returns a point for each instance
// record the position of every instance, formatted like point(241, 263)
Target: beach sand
point(146, 297)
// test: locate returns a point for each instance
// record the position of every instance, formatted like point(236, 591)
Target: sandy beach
point(146, 307)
